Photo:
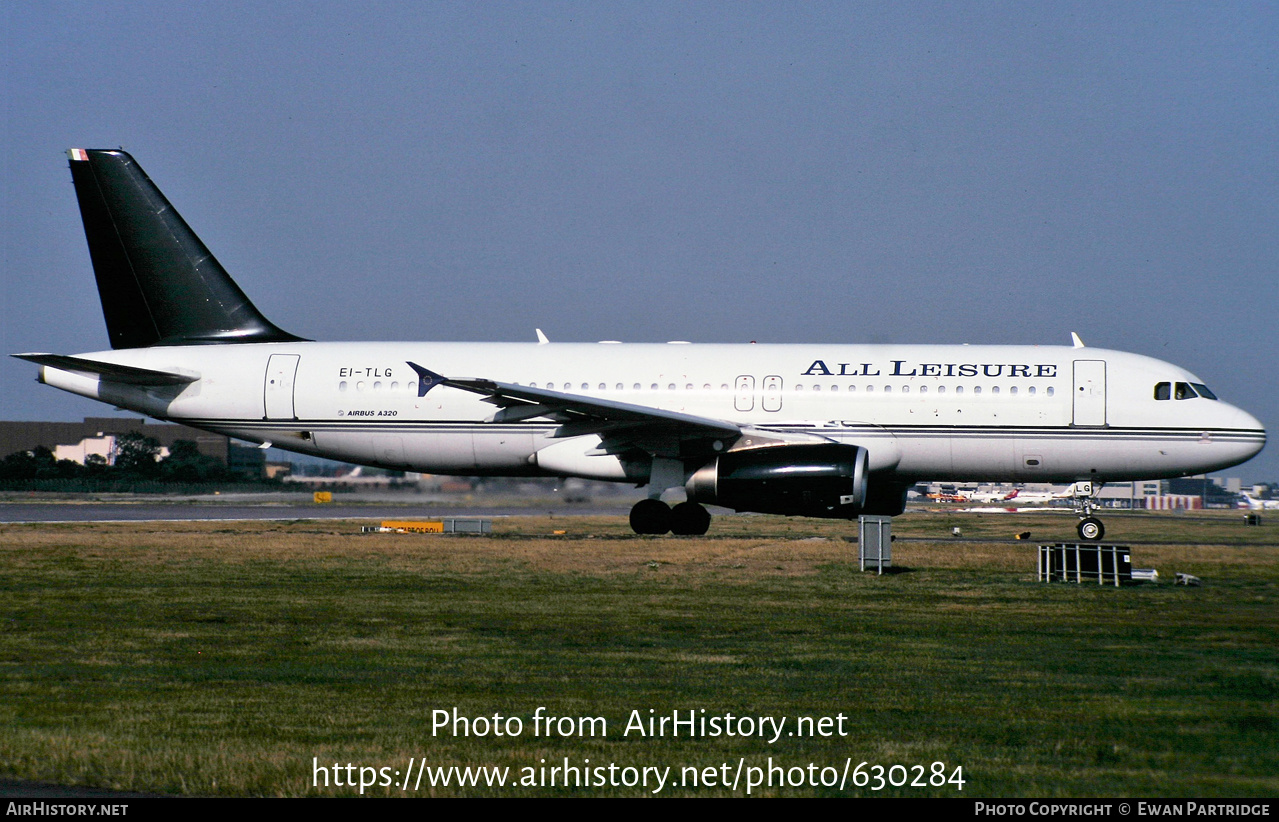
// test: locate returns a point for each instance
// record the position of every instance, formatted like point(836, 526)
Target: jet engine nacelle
point(817, 480)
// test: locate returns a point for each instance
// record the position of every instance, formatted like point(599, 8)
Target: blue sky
point(782, 172)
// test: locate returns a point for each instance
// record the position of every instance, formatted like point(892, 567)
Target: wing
point(618, 423)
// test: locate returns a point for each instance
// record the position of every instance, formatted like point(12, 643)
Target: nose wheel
point(1091, 529)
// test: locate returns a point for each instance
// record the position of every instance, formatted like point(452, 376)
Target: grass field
point(217, 658)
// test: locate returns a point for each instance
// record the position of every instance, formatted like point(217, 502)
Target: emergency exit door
point(744, 393)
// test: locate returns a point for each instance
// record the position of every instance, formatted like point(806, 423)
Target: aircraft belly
point(442, 452)
point(924, 457)
point(503, 450)
point(980, 455)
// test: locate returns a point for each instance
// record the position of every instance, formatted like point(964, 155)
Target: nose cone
point(1247, 432)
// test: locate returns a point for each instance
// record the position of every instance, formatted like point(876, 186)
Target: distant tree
point(63, 469)
point(95, 465)
point(185, 463)
point(38, 463)
point(46, 464)
point(136, 454)
point(20, 465)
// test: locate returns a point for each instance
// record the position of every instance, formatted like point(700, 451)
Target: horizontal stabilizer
point(128, 374)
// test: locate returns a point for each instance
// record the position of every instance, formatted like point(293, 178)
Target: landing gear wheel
point(1091, 529)
point(650, 516)
point(690, 519)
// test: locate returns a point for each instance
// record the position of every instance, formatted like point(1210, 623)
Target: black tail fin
point(158, 283)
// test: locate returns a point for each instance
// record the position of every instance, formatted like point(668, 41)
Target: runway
point(272, 507)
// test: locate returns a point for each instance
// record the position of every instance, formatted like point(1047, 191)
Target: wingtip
point(1075, 341)
point(426, 378)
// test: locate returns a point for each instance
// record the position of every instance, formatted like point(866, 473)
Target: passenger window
point(1163, 391)
point(1183, 391)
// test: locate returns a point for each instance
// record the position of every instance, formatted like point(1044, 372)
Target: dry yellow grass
point(218, 657)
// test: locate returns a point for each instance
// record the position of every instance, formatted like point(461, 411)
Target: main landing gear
point(652, 516)
point(1090, 528)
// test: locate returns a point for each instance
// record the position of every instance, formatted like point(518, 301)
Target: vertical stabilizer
point(158, 283)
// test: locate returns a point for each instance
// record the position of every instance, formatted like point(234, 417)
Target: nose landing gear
point(1090, 528)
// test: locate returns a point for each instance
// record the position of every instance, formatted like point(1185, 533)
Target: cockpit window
point(1182, 391)
point(1203, 391)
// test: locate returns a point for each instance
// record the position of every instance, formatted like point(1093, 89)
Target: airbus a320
point(809, 430)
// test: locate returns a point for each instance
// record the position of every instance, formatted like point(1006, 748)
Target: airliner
point(1257, 504)
point(1021, 496)
point(803, 429)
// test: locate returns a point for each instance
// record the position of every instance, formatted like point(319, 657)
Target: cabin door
point(1090, 392)
point(281, 373)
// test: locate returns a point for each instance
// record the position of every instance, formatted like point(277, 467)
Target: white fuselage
point(940, 412)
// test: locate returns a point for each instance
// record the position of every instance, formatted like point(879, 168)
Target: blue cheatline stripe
point(904, 432)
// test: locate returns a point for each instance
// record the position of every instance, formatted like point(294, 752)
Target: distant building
point(97, 435)
point(104, 447)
